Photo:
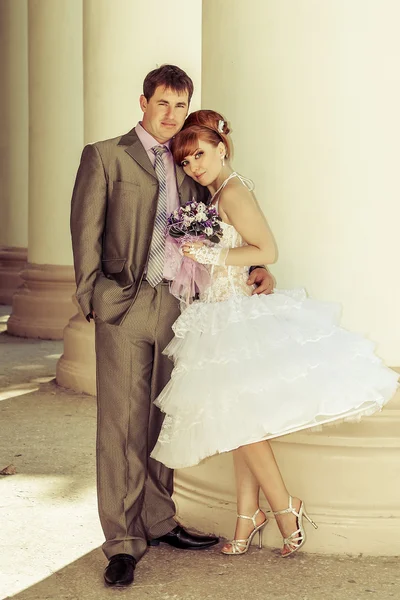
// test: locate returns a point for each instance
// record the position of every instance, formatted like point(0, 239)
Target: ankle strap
point(290, 509)
point(253, 518)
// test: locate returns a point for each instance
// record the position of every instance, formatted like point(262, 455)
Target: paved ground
point(50, 537)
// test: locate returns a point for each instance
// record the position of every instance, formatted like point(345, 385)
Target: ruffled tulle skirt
point(257, 367)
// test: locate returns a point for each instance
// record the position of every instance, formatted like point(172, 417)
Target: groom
point(124, 189)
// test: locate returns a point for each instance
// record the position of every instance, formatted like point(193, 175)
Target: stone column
point(13, 145)
point(113, 75)
point(43, 305)
point(312, 93)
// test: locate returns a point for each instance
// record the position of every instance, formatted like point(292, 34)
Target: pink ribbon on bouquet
point(188, 277)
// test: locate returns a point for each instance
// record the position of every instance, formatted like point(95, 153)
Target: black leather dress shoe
point(120, 570)
point(180, 538)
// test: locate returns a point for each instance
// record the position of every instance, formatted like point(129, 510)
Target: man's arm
point(88, 210)
point(262, 278)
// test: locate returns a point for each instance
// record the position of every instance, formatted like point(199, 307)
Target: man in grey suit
point(124, 189)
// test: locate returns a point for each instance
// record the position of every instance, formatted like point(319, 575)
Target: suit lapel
point(180, 176)
point(137, 152)
point(186, 187)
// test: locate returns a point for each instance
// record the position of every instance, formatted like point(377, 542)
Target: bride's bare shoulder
point(235, 199)
point(235, 193)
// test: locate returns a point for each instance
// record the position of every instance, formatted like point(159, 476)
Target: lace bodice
point(227, 281)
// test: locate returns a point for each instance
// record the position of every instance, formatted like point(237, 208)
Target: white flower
point(208, 230)
point(201, 216)
point(201, 207)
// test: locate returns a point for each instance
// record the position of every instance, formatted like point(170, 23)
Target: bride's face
point(204, 165)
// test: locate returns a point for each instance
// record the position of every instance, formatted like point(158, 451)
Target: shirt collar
point(148, 142)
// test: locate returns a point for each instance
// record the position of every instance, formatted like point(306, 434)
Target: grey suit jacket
point(112, 218)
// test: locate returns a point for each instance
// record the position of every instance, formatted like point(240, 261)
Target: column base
point(42, 306)
point(76, 369)
point(346, 475)
point(12, 261)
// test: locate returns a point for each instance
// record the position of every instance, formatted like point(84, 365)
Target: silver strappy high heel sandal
point(242, 546)
point(297, 539)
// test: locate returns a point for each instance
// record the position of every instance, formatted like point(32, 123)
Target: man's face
point(165, 113)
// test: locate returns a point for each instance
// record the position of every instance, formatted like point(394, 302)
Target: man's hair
point(171, 77)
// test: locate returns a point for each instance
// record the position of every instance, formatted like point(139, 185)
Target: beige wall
point(123, 41)
point(56, 125)
point(14, 123)
point(312, 90)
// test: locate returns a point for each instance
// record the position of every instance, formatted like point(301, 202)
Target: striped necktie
point(155, 265)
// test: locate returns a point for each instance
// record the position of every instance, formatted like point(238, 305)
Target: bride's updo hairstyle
point(206, 125)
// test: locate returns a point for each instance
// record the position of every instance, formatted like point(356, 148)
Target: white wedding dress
point(251, 368)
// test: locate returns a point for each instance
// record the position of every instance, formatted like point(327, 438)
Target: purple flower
point(195, 218)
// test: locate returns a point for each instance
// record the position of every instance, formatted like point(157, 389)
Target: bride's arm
point(238, 207)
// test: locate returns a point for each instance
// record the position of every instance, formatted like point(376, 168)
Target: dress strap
point(244, 180)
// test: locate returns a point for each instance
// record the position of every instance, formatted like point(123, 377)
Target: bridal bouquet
point(193, 220)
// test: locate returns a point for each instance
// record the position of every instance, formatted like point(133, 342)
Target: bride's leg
point(247, 493)
point(260, 459)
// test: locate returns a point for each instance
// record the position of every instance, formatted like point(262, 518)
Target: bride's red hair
point(206, 125)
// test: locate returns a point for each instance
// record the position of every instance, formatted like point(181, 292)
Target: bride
point(250, 368)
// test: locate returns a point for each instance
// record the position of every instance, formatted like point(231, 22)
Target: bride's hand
point(204, 254)
point(188, 247)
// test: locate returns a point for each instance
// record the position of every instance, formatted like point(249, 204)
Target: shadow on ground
point(166, 574)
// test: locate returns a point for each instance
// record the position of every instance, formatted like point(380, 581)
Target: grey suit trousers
point(134, 491)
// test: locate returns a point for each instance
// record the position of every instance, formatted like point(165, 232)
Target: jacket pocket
point(125, 185)
point(113, 265)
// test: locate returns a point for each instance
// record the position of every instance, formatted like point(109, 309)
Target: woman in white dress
point(249, 368)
